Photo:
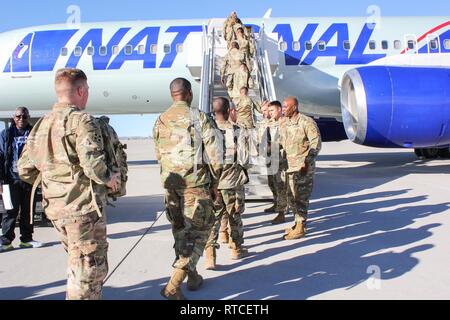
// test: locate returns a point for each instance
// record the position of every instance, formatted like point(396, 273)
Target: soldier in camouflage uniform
point(246, 45)
point(245, 119)
point(241, 78)
point(261, 127)
point(228, 27)
point(230, 198)
point(301, 140)
point(181, 134)
point(278, 164)
point(231, 65)
point(65, 152)
point(245, 107)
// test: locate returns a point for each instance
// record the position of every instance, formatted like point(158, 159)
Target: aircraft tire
point(444, 153)
point(430, 153)
point(418, 153)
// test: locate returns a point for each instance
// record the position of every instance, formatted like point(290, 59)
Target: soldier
point(261, 129)
point(301, 140)
point(231, 64)
point(65, 150)
point(230, 198)
point(228, 29)
point(245, 119)
point(245, 45)
point(278, 165)
point(180, 135)
point(241, 78)
point(245, 107)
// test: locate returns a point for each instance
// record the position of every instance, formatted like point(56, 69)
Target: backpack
point(116, 158)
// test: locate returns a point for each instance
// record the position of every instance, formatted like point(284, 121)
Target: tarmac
point(378, 229)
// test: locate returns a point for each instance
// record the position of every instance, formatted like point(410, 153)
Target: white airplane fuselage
point(131, 64)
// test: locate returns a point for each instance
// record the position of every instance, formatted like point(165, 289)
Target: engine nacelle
point(407, 107)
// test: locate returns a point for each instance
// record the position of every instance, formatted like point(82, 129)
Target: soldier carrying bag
point(115, 158)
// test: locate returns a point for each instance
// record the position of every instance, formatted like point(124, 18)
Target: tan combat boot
point(280, 218)
point(195, 281)
point(210, 258)
point(298, 232)
point(239, 253)
point(173, 289)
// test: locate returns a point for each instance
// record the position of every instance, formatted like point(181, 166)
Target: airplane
point(382, 84)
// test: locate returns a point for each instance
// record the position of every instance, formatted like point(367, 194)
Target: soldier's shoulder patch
point(86, 121)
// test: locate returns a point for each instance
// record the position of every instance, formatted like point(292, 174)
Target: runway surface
point(379, 229)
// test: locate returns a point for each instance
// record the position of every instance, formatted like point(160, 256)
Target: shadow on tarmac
point(367, 237)
point(24, 293)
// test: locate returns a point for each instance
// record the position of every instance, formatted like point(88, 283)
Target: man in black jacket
point(12, 142)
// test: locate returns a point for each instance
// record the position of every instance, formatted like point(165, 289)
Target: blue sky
point(17, 14)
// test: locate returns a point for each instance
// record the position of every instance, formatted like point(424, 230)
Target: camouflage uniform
point(244, 111)
point(301, 140)
point(245, 120)
point(229, 29)
point(277, 167)
point(240, 79)
point(179, 135)
point(247, 46)
point(261, 129)
point(231, 195)
point(66, 147)
point(231, 65)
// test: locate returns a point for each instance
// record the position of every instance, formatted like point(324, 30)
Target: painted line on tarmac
point(160, 214)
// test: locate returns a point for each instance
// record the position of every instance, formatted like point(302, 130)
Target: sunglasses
point(22, 116)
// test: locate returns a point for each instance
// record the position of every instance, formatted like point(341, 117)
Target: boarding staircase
point(214, 51)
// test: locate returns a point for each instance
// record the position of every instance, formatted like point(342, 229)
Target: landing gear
point(444, 153)
point(433, 153)
point(418, 153)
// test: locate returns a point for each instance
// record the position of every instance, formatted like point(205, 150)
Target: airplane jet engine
point(391, 107)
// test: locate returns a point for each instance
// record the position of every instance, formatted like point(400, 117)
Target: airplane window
point(154, 48)
point(78, 51)
point(180, 48)
point(322, 45)
point(141, 49)
point(347, 45)
point(433, 45)
point(283, 46)
point(167, 48)
point(103, 51)
point(308, 45)
point(411, 44)
point(296, 46)
point(385, 44)
point(398, 45)
point(447, 44)
point(372, 45)
point(64, 52)
point(128, 50)
point(115, 50)
point(90, 51)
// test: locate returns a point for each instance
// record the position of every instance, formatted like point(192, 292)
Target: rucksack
point(116, 158)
